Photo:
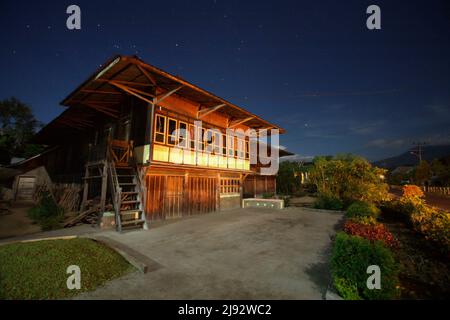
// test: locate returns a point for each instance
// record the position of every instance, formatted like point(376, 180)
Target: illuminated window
point(192, 136)
point(171, 130)
point(230, 146)
point(201, 141)
point(229, 185)
point(209, 141)
point(160, 129)
point(240, 148)
point(217, 141)
point(224, 144)
point(182, 134)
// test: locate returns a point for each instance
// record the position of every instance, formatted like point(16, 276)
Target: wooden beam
point(100, 92)
point(238, 122)
point(146, 74)
point(142, 92)
point(167, 94)
point(104, 110)
point(126, 82)
point(204, 112)
point(128, 89)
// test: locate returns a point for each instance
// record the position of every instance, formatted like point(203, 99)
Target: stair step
point(131, 211)
point(137, 222)
point(130, 201)
point(129, 192)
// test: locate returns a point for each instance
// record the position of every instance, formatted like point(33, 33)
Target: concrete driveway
point(238, 254)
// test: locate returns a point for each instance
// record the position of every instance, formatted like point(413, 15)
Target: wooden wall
point(174, 196)
point(257, 185)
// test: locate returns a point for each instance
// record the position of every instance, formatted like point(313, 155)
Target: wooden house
point(117, 137)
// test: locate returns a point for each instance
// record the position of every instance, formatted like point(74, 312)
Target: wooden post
point(104, 187)
point(85, 189)
point(218, 192)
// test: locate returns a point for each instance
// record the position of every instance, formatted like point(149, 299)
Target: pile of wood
point(67, 196)
point(89, 216)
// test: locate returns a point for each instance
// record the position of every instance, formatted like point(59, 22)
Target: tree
point(422, 172)
point(287, 182)
point(348, 178)
point(17, 126)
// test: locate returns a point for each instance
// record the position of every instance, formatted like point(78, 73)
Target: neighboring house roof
point(109, 84)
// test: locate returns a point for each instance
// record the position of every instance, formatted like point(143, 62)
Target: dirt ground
point(16, 223)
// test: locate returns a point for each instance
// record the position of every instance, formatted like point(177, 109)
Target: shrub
point(361, 209)
point(268, 195)
point(328, 202)
point(377, 232)
point(367, 221)
point(350, 259)
point(412, 191)
point(347, 289)
point(434, 224)
point(349, 178)
point(47, 213)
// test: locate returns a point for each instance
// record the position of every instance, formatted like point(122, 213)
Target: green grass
point(37, 270)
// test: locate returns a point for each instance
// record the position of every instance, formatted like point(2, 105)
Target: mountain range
point(429, 153)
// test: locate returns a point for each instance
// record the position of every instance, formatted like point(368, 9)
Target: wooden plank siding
point(256, 185)
point(175, 196)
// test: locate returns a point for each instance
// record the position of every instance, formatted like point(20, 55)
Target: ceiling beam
point(167, 94)
point(130, 91)
point(235, 123)
point(146, 74)
point(205, 112)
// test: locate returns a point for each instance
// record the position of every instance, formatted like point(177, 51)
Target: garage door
point(25, 188)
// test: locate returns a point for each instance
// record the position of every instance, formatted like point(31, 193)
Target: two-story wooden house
point(121, 135)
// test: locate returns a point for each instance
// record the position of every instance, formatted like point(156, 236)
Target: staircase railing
point(116, 190)
point(141, 187)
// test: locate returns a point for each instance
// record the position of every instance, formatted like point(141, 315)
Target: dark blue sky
point(310, 66)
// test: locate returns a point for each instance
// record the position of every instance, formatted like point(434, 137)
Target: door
point(25, 188)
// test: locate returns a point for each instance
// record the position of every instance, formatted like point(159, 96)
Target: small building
point(152, 145)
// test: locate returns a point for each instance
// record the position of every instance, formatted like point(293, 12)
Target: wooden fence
point(440, 190)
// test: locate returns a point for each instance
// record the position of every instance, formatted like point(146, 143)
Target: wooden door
point(25, 188)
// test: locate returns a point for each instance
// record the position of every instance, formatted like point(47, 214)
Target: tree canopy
point(17, 126)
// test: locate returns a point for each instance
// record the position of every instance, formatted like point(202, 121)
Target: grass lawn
point(37, 270)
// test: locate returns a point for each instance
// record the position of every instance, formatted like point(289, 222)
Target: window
point(235, 147)
point(229, 185)
point(160, 129)
point(192, 136)
point(201, 141)
point(217, 141)
point(182, 134)
point(230, 146)
point(171, 130)
point(247, 150)
point(209, 141)
point(224, 145)
point(240, 148)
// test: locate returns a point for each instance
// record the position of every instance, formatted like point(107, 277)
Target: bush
point(367, 221)
point(328, 202)
point(349, 178)
point(350, 259)
point(268, 195)
point(47, 213)
point(361, 209)
point(377, 232)
point(347, 289)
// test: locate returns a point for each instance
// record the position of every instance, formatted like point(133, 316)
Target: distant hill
point(407, 159)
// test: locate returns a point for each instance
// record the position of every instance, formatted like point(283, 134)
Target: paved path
point(239, 254)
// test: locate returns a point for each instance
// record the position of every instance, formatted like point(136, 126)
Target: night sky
point(311, 67)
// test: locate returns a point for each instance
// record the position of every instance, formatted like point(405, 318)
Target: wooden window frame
point(224, 146)
point(169, 134)
point(192, 143)
point(185, 139)
point(201, 142)
point(230, 146)
point(156, 129)
point(229, 185)
point(247, 150)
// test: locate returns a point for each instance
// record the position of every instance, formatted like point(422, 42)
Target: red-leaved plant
point(371, 232)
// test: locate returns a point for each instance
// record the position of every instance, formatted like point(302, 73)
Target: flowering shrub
point(412, 191)
point(434, 224)
point(377, 232)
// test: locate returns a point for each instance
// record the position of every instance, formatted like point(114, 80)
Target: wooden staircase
point(129, 212)
point(118, 173)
